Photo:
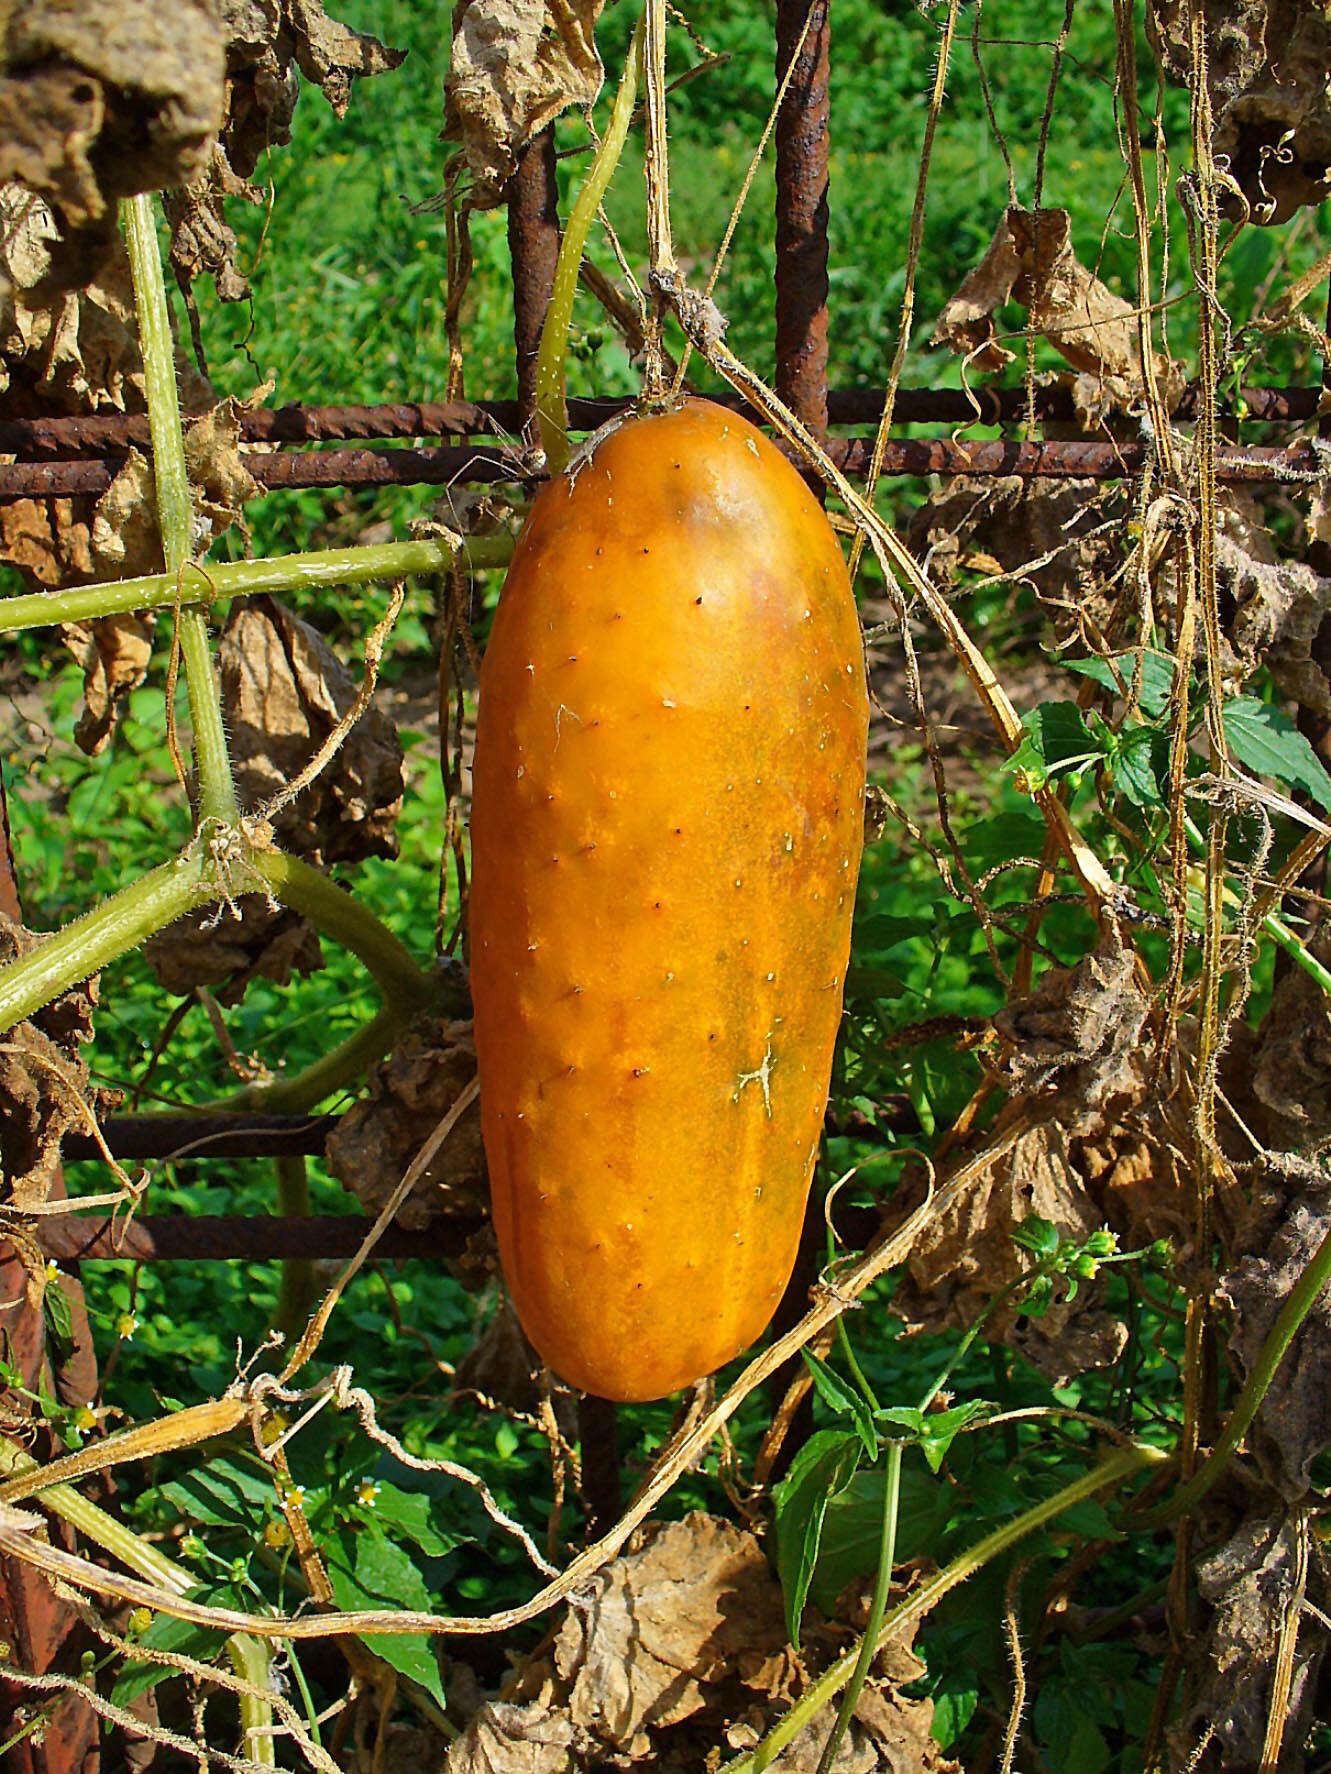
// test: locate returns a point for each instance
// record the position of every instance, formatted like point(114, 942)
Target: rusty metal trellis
point(486, 440)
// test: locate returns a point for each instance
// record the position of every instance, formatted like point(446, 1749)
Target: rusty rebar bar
point(204, 1238)
point(915, 457)
point(69, 438)
point(802, 35)
point(138, 1137)
point(533, 245)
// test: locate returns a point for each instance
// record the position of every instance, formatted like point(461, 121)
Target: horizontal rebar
point(232, 1135)
point(1060, 459)
point(502, 419)
point(177, 1237)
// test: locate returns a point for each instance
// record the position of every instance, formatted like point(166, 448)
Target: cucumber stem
point(551, 399)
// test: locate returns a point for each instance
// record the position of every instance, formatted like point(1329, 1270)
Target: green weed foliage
point(346, 259)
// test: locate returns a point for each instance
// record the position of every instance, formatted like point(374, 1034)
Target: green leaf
point(1036, 1234)
point(368, 1571)
point(954, 1708)
point(819, 1473)
point(1266, 741)
point(874, 982)
point(410, 1512)
point(1139, 763)
point(58, 1315)
point(224, 1493)
point(901, 1416)
point(1157, 676)
point(1055, 732)
point(853, 1522)
point(941, 1429)
point(844, 1400)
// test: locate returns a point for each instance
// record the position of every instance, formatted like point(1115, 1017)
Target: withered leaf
point(266, 41)
point(516, 65)
point(219, 479)
point(44, 539)
point(125, 539)
point(1079, 1033)
point(1293, 1421)
point(662, 1623)
point(965, 1255)
point(1279, 607)
point(1056, 535)
point(1030, 260)
point(43, 1076)
point(102, 98)
point(284, 690)
point(1250, 1583)
point(114, 652)
point(1266, 63)
point(408, 1094)
point(508, 1739)
point(205, 949)
point(333, 55)
point(62, 352)
point(1290, 1066)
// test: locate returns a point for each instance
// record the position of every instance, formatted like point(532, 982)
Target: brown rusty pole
point(801, 211)
point(533, 244)
point(40, 1631)
point(803, 32)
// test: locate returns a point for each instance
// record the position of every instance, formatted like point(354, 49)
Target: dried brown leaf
point(662, 1624)
point(965, 1256)
point(266, 42)
point(1250, 1584)
point(332, 55)
point(501, 1364)
point(1279, 606)
point(408, 1094)
point(283, 691)
point(43, 1076)
point(1266, 63)
point(46, 540)
point(1030, 260)
point(219, 479)
point(125, 538)
point(114, 652)
point(516, 65)
point(1290, 1064)
point(1054, 534)
point(103, 98)
point(508, 1739)
point(207, 949)
point(1293, 1421)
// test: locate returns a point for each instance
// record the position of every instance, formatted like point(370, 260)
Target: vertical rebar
point(42, 1630)
point(801, 381)
point(801, 211)
point(533, 244)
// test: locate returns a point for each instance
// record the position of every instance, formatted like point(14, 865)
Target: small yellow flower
point(366, 1493)
point(126, 1325)
point(295, 1496)
point(52, 1269)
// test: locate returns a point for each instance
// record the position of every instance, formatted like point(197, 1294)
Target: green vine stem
point(322, 569)
point(1274, 925)
point(305, 1089)
point(551, 403)
point(175, 509)
point(297, 1290)
point(338, 914)
point(1302, 1298)
point(121, 923)
point(251, 1658)
point(1112, 1470)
